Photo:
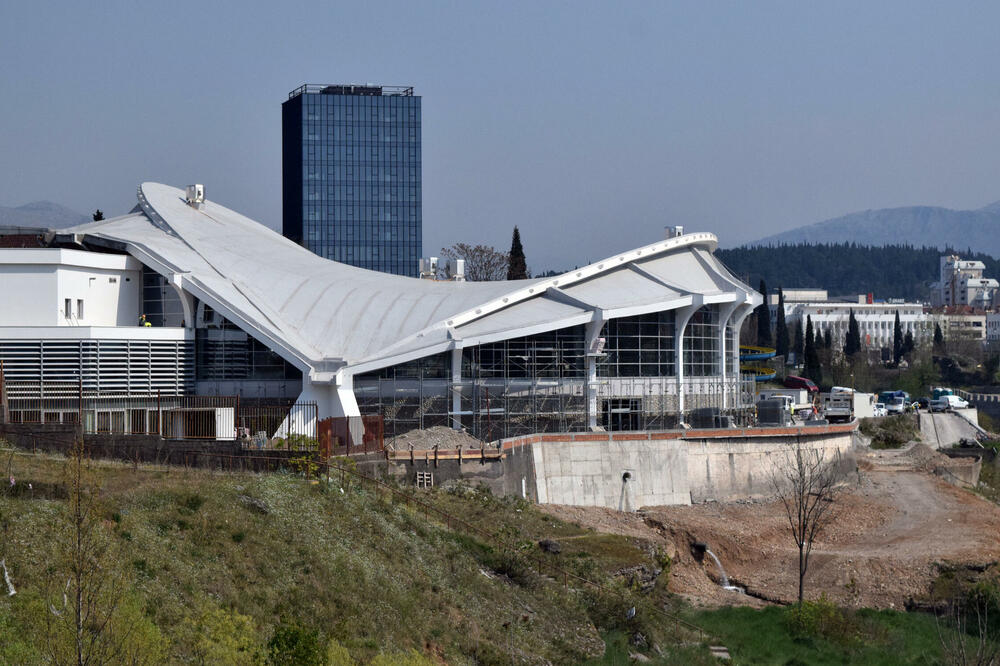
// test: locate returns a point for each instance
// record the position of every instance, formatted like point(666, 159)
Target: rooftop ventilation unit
point(429, 268)
point(195, 195)
point(455, 270)
point(675, 231)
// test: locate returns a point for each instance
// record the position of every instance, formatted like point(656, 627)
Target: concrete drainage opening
point(625, 501)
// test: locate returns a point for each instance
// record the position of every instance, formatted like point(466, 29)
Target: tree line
point(806, 343)
point(893, 271)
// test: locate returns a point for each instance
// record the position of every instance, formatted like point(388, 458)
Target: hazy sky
point(589, 125)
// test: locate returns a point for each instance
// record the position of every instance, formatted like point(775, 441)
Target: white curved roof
point(324, 315)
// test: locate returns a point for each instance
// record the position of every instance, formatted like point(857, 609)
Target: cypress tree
point(763, 313)
point(938, 337)
point(827, 340)
point(797, 342)
point(781, 329)
point(852, 343)
point(908, 342)
point(897, 340)
point(811, 367)
point(517, 267)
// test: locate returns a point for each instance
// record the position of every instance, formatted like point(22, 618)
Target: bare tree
point(89, 619)
point(804, 482)
point(954, 632)
point(482, 262)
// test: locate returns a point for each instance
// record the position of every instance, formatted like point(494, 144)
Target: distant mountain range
point(41, 214)
point(929, 226)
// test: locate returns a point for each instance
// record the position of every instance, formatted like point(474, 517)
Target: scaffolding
point(495, 408)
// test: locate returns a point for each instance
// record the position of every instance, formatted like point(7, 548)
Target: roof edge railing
point(352, 89)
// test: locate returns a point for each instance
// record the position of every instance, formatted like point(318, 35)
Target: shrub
point(409, 658)
point(821, 619)
point(293, 645)
point(218, 636)
point(191, 502)
point(337, 655)
point(890, 432)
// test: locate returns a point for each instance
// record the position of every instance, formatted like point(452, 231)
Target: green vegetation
point(844, 269)
point(891, 432)
point(989, 475)
point(822, 633)
point(223, 568)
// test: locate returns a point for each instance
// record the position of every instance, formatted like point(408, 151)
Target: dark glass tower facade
point(351, 174)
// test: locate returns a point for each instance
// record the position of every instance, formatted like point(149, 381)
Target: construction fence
point(224, 418)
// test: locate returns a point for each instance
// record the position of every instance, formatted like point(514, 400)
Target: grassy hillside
point(224, 568)
point(240, 568)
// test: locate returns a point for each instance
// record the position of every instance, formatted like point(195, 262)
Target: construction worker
point(143, 321)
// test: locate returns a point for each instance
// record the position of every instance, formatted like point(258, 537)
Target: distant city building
point(962, 283)
point(876, 319)
point(351, 174)
point(993, 327)
point(962, 322)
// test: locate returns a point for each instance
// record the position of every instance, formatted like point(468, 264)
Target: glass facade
point(224, 352)
point(640, 346)
point(352, 177)
point(160, 302)
point(701, 343)
point(555, 354)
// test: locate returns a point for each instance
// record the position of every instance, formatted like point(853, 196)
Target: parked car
point(956, 402)
point(792, 381)
point(880, 409)
point(923, 403)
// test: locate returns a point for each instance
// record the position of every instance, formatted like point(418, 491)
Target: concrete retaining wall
point(943, 429)
point(733, 469)
point(593, 473)
point(663, 468)
point(961, 473)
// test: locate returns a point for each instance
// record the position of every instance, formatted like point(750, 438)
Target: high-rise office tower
point(351, 174)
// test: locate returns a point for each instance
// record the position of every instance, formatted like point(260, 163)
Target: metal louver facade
point(136, 367)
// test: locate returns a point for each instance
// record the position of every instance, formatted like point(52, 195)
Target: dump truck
point(844, 404)
point(799, 400)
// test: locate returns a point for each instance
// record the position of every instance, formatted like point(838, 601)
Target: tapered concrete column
point(681, 318)
point(187, 299)
point(740, 314)
point(725, 312)
point(592, 333)
point(456, 388)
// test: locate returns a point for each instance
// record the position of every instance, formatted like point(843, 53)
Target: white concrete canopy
point(334, 321)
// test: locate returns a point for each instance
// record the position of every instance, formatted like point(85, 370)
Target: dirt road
point(893, 524)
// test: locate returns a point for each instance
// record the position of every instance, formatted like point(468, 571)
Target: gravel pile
point(444, 438)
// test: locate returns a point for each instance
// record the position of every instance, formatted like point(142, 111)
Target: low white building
point(876, 320)
point(72, 317)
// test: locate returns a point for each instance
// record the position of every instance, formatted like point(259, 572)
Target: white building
point(876, 320)
point(962, 283)
point(237, 309)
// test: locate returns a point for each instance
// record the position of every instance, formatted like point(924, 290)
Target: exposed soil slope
point(894, 522)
